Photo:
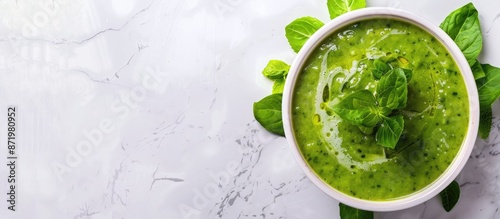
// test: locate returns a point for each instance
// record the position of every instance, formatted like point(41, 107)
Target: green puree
point(436, 116)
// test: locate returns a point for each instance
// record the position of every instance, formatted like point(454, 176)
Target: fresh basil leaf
point(381, 68)
point(462, 25)
point(338, 7)
point(489, 86)
point(392, 89)
point(381, 112)
point(459, 20)
point(276, 69)
point(389, 131)
point(450, 196)
point(384, 111)
point(268, 113)
point(278, 86)
point(408, 74)
point(489, 90)
point(300, 30)
point(477, 71)
point(359, 108)
point(485, 117)
point(372, 118)
point(348, 212)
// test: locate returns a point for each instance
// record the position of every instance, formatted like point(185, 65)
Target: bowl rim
point(465, 150)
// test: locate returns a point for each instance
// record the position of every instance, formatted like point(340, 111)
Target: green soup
point(436, 116)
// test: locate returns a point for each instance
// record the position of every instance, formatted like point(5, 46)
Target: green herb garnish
point(392, 89)
point(268, 110)
point(489, 86)
point(348, 212)
point(338, 7)
point(477, 71)
point(450, 196)
point(359, 108)
point(276, 69)
point(268, 113)
point(300, 30)
point(380, 112)
point(380, 68)
point(462, 25)
point(367, 111)
point(485, 117)
point(278, 86)
point(390, 131)
point(489, 91)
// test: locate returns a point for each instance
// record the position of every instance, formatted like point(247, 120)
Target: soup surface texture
point(435, 118)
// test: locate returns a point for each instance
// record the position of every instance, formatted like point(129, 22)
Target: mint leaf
point(300, 30)
point(450, 196)
point(338, 7)
point(278, 86)
point(477, 71)
point(276, 69)
point(485, 117)
point(268, 113)
point(392, 89)
point(359, 108)
point(389, 131)
point(348, 212)
point(381, 68)
point(462, 25)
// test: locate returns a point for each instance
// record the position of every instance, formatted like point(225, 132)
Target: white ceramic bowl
point(464, 152)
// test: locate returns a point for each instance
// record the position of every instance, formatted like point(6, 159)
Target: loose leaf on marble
point(276, 69)
point(489, 86)
point(338, 7)
point(450, 196)
point(485, 117)
point(462, 25)
point(359, 108)
point(348, 212)
point(300, 30)
point(390, 130)
point(278, 86)
point(392, 89)
point(489, 91)
point(268, 113)
point(477, 71)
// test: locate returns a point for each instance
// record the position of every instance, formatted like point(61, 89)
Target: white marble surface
point(143, 109)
